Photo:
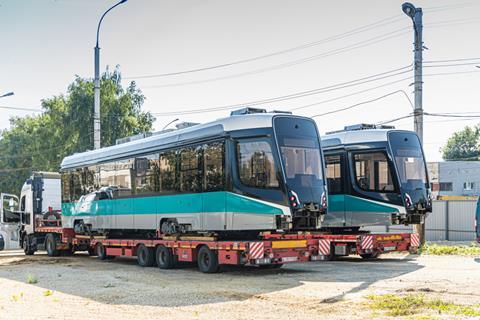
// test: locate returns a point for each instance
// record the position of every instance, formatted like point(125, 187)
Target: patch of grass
point(410, 305)
point(463, 250)
point(31, 279)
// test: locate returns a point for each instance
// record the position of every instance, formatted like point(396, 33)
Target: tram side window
point(147, 174)
point(123, 179)
point(168, 168)
point(190, 170)
point(335, 177)
point(66, 190)
point(256, 164)
point(372, 172)
point(76, 183)
point(90, 179)
point(213, 167)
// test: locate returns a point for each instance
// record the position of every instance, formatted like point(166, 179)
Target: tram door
point(335, 164)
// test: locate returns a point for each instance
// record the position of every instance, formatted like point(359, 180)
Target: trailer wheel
point(91, 251)
point(145, 256)
point(165, 258)
point(51, 245)
point(102, 253)
point(369, 256)
point(207, 260)
point(27, 247)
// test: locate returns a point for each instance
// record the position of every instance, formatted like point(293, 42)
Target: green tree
point(463, 145)
point(39, 143)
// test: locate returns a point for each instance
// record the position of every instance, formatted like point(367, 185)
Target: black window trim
point(267, 139)
point(390, 167)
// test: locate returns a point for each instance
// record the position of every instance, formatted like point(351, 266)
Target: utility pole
point(416, 14)
point(96, 86)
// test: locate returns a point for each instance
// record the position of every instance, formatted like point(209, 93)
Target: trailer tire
point(370, 256)
point(51, 245)
point(102, 252)
point(91, 251)
point(145, 256)
point(164, 257)
point(207, 260)
point(27, 247)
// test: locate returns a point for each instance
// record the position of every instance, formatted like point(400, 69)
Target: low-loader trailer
point(270, 250)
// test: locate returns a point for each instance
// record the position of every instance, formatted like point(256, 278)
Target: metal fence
point(449, 220)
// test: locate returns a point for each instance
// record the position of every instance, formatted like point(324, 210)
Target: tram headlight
point(408, 201)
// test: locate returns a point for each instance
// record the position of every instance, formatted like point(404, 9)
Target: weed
point(434, 249)
point(47, 293)
point(31, 279)
point(410, 305)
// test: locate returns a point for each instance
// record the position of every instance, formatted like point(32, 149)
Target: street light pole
point(416, 14)
point(96, 88)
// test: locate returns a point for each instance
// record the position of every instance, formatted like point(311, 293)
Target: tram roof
point(355, 137)
point(170, 139)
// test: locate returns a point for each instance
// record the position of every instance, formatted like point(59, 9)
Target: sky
point(45, 43)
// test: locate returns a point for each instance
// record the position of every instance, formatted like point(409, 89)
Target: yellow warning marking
point(289, 244)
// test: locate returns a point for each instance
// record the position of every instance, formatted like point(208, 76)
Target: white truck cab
point(9, 221)
point(40, 199)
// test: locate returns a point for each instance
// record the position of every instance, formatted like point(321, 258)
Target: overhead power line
point(362, 103)
point(368, 27)
point(361, 44)
point(351, 83)
point(21, 108)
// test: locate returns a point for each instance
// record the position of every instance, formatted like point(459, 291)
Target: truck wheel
point(373, 255)
point(145, 256)
point(165, 258)
point(102, 253)
point(51, 245)
point(207, 260)
point(27, 247)
point(91, 251)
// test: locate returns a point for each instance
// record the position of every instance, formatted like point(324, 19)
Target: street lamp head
point(409, 9)
point(7, 94)
point(123, 1)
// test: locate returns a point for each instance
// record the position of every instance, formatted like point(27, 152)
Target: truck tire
point(165, 258)
point(51, 245)
point(370, 256)
point(91, 251)
point(145, 256)
point(207, 260)
point(102, 253)
point(28, 249)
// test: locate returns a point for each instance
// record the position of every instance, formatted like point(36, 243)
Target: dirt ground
point(82, 287)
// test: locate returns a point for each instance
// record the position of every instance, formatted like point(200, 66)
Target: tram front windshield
point(299, 145)
point(409, 160)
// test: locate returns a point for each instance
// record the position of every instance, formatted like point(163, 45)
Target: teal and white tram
point(376, 176)
point(251, 171)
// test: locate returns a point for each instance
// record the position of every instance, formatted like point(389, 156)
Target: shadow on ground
point(122, 281)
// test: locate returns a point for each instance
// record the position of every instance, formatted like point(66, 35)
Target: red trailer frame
point(270, 250)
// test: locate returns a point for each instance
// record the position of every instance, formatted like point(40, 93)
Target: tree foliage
point(39, 143)
point(463, 145)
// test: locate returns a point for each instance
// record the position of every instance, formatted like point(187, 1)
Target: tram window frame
point(341, 171)
point(275, 164)
point(149, 176)
point(186, 169)
point(207, 184)
point(390, 168)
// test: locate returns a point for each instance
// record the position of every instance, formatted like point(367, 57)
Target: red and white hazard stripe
point(367, 242)
point(414, 240)
point(256, 250)
point(324, 247)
